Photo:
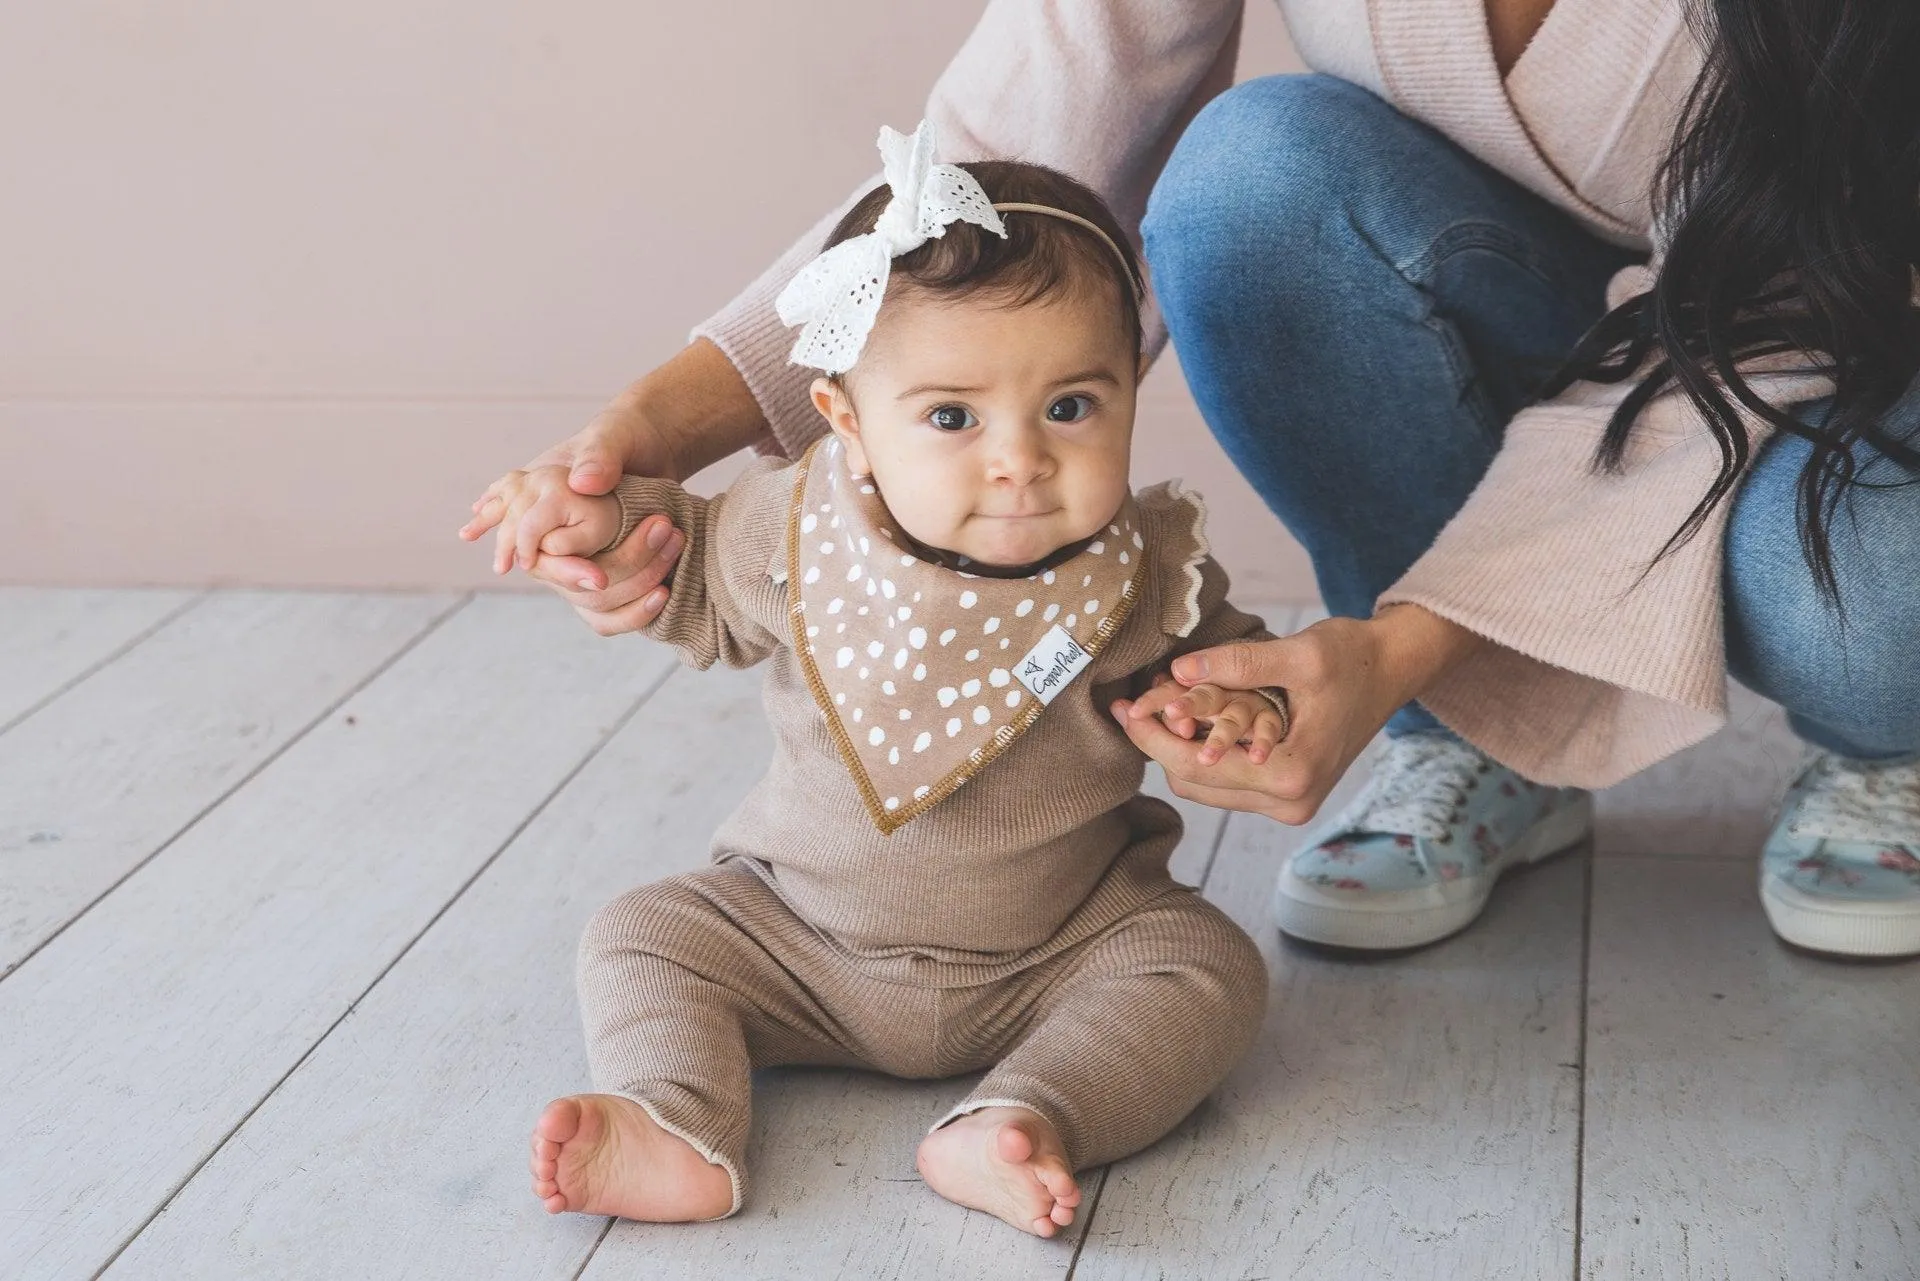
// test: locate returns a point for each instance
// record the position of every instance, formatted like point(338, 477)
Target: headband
point(837, 295)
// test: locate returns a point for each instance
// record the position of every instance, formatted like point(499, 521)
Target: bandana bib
point(925, 673)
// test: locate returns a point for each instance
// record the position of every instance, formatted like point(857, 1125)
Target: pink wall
point(286, 284)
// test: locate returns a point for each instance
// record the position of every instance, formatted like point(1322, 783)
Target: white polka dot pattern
point(920, 707)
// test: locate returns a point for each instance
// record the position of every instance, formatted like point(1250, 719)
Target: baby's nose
point(1019, 458)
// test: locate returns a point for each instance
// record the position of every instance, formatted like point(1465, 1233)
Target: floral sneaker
point(1841, 871)
point(1414, 858)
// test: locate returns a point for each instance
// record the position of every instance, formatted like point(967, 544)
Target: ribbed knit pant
point(688, 984)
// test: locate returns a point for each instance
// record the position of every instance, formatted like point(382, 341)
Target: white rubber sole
point(1843, 927)
point(1393, 919)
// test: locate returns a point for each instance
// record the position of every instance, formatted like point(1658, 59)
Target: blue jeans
point(1360, 307)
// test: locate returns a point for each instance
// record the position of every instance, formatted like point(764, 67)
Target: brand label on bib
point(1052, 664)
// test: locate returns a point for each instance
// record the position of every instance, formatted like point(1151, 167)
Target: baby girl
point(948, 866)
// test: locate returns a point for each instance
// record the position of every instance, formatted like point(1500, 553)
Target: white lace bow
point(837, 295)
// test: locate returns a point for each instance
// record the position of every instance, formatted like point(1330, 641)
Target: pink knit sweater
point(1589, 678)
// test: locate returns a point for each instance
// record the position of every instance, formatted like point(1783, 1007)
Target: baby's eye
point(1069, 409)
point(952, 418)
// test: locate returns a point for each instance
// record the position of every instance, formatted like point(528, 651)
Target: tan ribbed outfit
point(948, 865)
point(1593, 675)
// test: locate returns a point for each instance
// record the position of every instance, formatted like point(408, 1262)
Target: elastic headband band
point(1126, 271)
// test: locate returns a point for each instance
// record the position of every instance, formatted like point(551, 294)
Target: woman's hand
point(692, 411)
point(1344, 678)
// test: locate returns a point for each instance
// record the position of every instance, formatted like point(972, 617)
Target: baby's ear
point(826, 395)
point(1140, 370)
point(836, 406)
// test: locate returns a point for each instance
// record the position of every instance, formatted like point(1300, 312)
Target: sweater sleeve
point(1601, 662)
point(1099, 89)
point(723, 604)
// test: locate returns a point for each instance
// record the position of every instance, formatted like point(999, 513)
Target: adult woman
point(1370, 273)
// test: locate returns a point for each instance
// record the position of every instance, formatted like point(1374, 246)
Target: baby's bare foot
point(1006, 1161)
point(602, 1154)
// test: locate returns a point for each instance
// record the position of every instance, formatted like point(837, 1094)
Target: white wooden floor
point(289, 891)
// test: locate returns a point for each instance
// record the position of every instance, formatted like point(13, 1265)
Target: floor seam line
point(1213, 850)
point(1580, 1057)
point(1086, 1225)
point(92, 669)
point(592, 1250)
point(200, 816)
point(458, 893)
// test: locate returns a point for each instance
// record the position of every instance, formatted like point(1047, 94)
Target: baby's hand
point(1229, 716)
point(538, 513)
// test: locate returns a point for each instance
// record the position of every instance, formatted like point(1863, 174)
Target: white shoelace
point(1417, 781)
point(1850, 800)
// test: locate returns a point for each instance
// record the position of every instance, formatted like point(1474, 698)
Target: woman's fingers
point(596, 464)
point(640, 563)
point(571, 575)
point(1282, 663)
point(628, 618)
point(1234, 783)
point(614, 580)
point(1183, 758)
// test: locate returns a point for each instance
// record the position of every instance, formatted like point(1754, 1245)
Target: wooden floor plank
point(138, 1039)
point(1405, 1117)
point(1714, 800)
point(51, 636)
point(416, 1110)
point(118, 765)
point(482, 1011)
point(1751, 1111)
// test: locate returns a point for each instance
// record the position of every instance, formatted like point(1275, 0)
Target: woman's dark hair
point(1792, 192)
point(1039, 255)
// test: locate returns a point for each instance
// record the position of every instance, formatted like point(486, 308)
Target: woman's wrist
point(1416, 648)
point(697, 409)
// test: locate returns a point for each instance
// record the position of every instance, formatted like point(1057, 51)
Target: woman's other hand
point(1344, 678)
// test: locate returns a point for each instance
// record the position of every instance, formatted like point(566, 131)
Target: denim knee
point(1257, 171)
point(1852, 689)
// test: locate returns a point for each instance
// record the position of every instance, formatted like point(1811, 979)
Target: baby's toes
point(1054, 1175)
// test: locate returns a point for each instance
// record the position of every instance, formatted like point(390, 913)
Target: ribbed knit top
point(1051, 826)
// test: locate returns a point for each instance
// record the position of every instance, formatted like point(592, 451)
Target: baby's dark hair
point(1040, 253)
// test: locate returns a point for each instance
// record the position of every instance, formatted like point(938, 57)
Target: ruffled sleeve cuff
point(1176, 530)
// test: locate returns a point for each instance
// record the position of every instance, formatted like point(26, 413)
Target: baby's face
point(1001, 433)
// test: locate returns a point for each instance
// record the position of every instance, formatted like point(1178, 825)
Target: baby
point(949, 866)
